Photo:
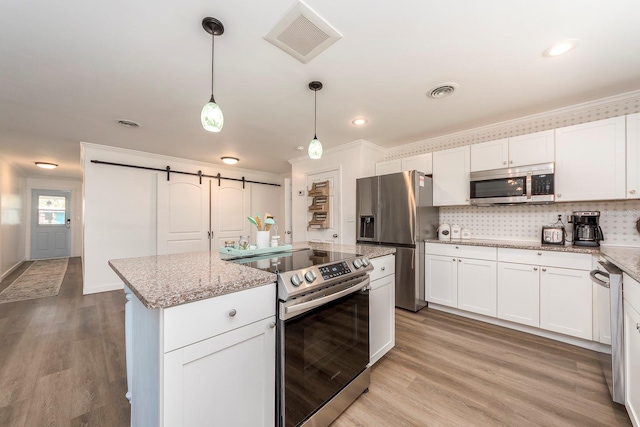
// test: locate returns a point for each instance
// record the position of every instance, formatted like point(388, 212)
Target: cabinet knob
point(459, 260)
point(383, 268)
point(504, 162)
point(558, 195)
point(638, 326)
point(233, 312)
point(335, 236)
point(453, 259)
point(457, 247)
point(544, 269)
point(272, 325)
point(535, 268)
point(510, 162)
point(632, 192)
point(539, 253)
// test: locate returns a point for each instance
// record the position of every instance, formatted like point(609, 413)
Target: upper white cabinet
point(389, 166)
point(451, 170)
point(590, 161)
point(520, 150)
point(422, 163)
point(633, 156)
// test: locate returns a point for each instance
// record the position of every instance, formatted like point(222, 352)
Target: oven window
point(504, 187)
point(323, 351)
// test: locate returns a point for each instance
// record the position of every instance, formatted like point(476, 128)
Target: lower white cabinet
point(566, 302)
point(519, 293)
point(382, 301)
point(477, 286)
point(208, 362)
point(631, 294)
point(441, 273)
point(226, 380)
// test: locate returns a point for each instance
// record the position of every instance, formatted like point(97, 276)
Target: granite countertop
point(164, 281)
point(518, 245)
point(627, 259)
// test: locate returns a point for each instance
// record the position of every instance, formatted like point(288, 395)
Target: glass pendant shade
point(315, 149)
point(211, 116)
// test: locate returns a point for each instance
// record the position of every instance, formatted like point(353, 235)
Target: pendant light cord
point(213, 38)
point(315, 114)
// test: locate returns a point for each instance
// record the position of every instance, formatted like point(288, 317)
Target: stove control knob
point(296, 280)
point(310, 276)
point(357, 264)
point(365, 262)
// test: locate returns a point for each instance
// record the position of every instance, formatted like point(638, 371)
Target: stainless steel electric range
point(323, 333)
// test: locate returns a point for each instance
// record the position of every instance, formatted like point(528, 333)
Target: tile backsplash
point(524, 222)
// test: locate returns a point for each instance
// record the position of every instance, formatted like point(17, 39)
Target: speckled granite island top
point(627, 259)
point(518, 245)
point(167, 280)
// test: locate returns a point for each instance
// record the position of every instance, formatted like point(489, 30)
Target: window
point(52, 210)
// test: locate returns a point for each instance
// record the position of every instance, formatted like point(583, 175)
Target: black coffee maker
point(586, 231)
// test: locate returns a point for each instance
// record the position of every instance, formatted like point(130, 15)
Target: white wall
point(120, 206)
point(12, 218)
point(356, 160)
point(75, 188)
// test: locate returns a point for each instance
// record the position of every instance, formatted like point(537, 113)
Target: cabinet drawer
point(631, 291)
point(382, 267)
point(464, 251)
point(196, 321)
point(547, 258)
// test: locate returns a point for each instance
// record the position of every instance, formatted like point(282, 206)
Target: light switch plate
point(351, 218)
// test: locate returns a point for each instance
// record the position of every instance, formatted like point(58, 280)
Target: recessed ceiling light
point(561, 47)
point(128, 124)
point(442, 90)
point(230, 160)
point(45, 165)
point(360, 121)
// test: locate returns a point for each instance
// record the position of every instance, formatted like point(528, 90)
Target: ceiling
point(69, 70)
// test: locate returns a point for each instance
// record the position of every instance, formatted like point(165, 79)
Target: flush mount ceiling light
point(315, 147)
point(561, 48)
point(45, 165)
point(359, 122)
point(442, 90)
point(211, 116)
point(230, 160)
point(128, 124)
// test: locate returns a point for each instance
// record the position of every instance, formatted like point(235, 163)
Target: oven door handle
point(310, 305)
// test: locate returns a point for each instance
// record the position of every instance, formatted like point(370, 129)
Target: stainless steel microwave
point(524, 184)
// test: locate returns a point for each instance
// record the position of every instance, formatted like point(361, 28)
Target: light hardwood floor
point(62, 363)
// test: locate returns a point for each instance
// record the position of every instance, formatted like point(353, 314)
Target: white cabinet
point(566, 301)
point(229, 378)
point(633, 156)
point(389, 166)
point(461, 276)
point(382, 301)
point(520, 150)
point(519, 293)
point(451, 170)
point(422, 163)
point(590, 161)
point(632, 347)
point(212, 359)
point(546, 289)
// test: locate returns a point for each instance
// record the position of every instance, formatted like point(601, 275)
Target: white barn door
point(230, 207)
point(182, 214)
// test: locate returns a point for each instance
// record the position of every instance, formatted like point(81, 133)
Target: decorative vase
point(262, 239)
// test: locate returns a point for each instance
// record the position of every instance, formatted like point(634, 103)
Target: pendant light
point(315, 147)
point(211, 116)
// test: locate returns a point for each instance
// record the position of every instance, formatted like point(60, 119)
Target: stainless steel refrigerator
point(397, 210)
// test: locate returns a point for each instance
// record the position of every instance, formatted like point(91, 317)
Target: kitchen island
point(201, 337)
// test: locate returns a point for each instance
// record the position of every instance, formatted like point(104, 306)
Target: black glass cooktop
point(296, 260)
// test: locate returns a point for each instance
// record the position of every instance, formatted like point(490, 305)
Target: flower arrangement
point(262, 225)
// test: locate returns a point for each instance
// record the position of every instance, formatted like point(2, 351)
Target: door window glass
point(52, 210)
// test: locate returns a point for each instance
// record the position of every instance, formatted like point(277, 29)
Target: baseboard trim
point(578, 342)
point(104, 288)
point(12, 269)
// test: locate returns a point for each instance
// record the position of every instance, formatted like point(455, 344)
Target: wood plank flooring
point(62, 363)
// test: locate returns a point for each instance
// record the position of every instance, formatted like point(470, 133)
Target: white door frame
point(76, 215)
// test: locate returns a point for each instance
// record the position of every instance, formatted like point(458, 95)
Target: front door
point(50, 224)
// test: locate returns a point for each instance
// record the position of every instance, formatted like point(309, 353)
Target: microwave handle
point(528, 185)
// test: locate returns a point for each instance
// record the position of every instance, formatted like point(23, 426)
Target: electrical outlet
point(555, 216)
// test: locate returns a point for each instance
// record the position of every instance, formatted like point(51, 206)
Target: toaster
point(553, 235)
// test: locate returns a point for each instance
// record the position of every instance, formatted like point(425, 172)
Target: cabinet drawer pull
point(233, 312)
point(535, 268)
point(544, 269)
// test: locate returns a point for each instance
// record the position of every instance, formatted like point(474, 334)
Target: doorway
point(50, 224)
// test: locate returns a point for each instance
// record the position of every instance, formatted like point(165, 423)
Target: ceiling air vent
point(302, 33)
point(442, 91)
